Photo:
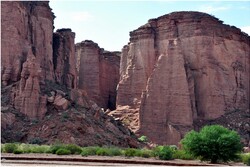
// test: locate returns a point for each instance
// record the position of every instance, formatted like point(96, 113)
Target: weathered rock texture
point(25, 25)
point(64, 57)
point(40, 100)
point(182, 67)
point(26, 53)
point(98, 73)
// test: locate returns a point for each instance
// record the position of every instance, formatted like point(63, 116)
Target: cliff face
point(40, 99)
point(98, 73)
point(64, 60)
point(25, 25)
point(180, 68)
point(26, 54)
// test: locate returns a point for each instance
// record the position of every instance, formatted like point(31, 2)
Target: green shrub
point(131, 152)
point(182, 154)
point(165, 153)
point(84, 153)
point(39, 149)
point(114, 151)
point(145, 153)
point(103, 152)
point(246, 159)
point(55, 147)
point(143, 139)
point(213, 143)
point(2, 148)
point(89, 151)
point(17, 151)
point(74, 149)
point(63, 151)
point(10, 147)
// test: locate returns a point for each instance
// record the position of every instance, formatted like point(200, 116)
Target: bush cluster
point(246, 159)
point(214, 143)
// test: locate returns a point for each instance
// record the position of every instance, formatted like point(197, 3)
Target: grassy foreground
point(159, 152)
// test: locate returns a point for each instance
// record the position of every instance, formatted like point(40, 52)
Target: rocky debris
point(7, 119)
point(98, 73)
point(183, 67)
point(64, 57)
point(80, 97)
point(71, 118)
point(128, 116)
point(61, 103)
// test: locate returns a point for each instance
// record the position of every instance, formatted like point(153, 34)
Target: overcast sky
point(108, 23)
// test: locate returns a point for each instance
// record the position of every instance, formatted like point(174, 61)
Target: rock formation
point(180, 68)
point(40, 99)
point(64, 57)
point(98, 73)
point(25, 25)
point(26, 53)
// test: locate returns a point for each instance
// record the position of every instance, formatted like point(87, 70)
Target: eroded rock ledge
point(180, 68)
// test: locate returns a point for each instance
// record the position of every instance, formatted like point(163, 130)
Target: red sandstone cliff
point(64, 60)
point(180, 68)
point(40, 100)
point(98, 72)
point(26, 53)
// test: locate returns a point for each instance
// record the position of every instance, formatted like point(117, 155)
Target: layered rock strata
point(64, 60)
point(25, 25)
point(26, 53)
point(98, 73)
point(183, 67)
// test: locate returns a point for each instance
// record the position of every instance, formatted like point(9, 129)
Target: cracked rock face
point(25, 25)
point(64, 60)
point(98, 73)
point(26, 54)
point(182, 67)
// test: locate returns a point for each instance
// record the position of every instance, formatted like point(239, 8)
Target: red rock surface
point(26, 53)
point(98, 73)
point(64, 57)
point(25, 25)
point(182, 67)
point(40, 100)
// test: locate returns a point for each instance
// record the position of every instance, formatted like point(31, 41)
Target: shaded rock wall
point(98, 72)
point(25, 25)
point(26, 53)
point(182, 67)
point(64, 60)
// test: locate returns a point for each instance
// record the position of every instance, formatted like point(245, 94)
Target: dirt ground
point(51, 159)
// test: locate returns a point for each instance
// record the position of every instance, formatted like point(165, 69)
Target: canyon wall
point(64, 59)
point(26, 25)
point(98, 73)
point(26, 53)
point(180, 68)
point(32, 55)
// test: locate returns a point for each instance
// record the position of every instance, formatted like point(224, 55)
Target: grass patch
point(10, 147)
point(89, 151)
point(74, 149)
point(181, 154)
point(246, 158)
point(161, 152)
point(63, 151)
point(131, 152)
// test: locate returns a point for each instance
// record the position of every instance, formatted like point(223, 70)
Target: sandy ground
point(78, 160)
